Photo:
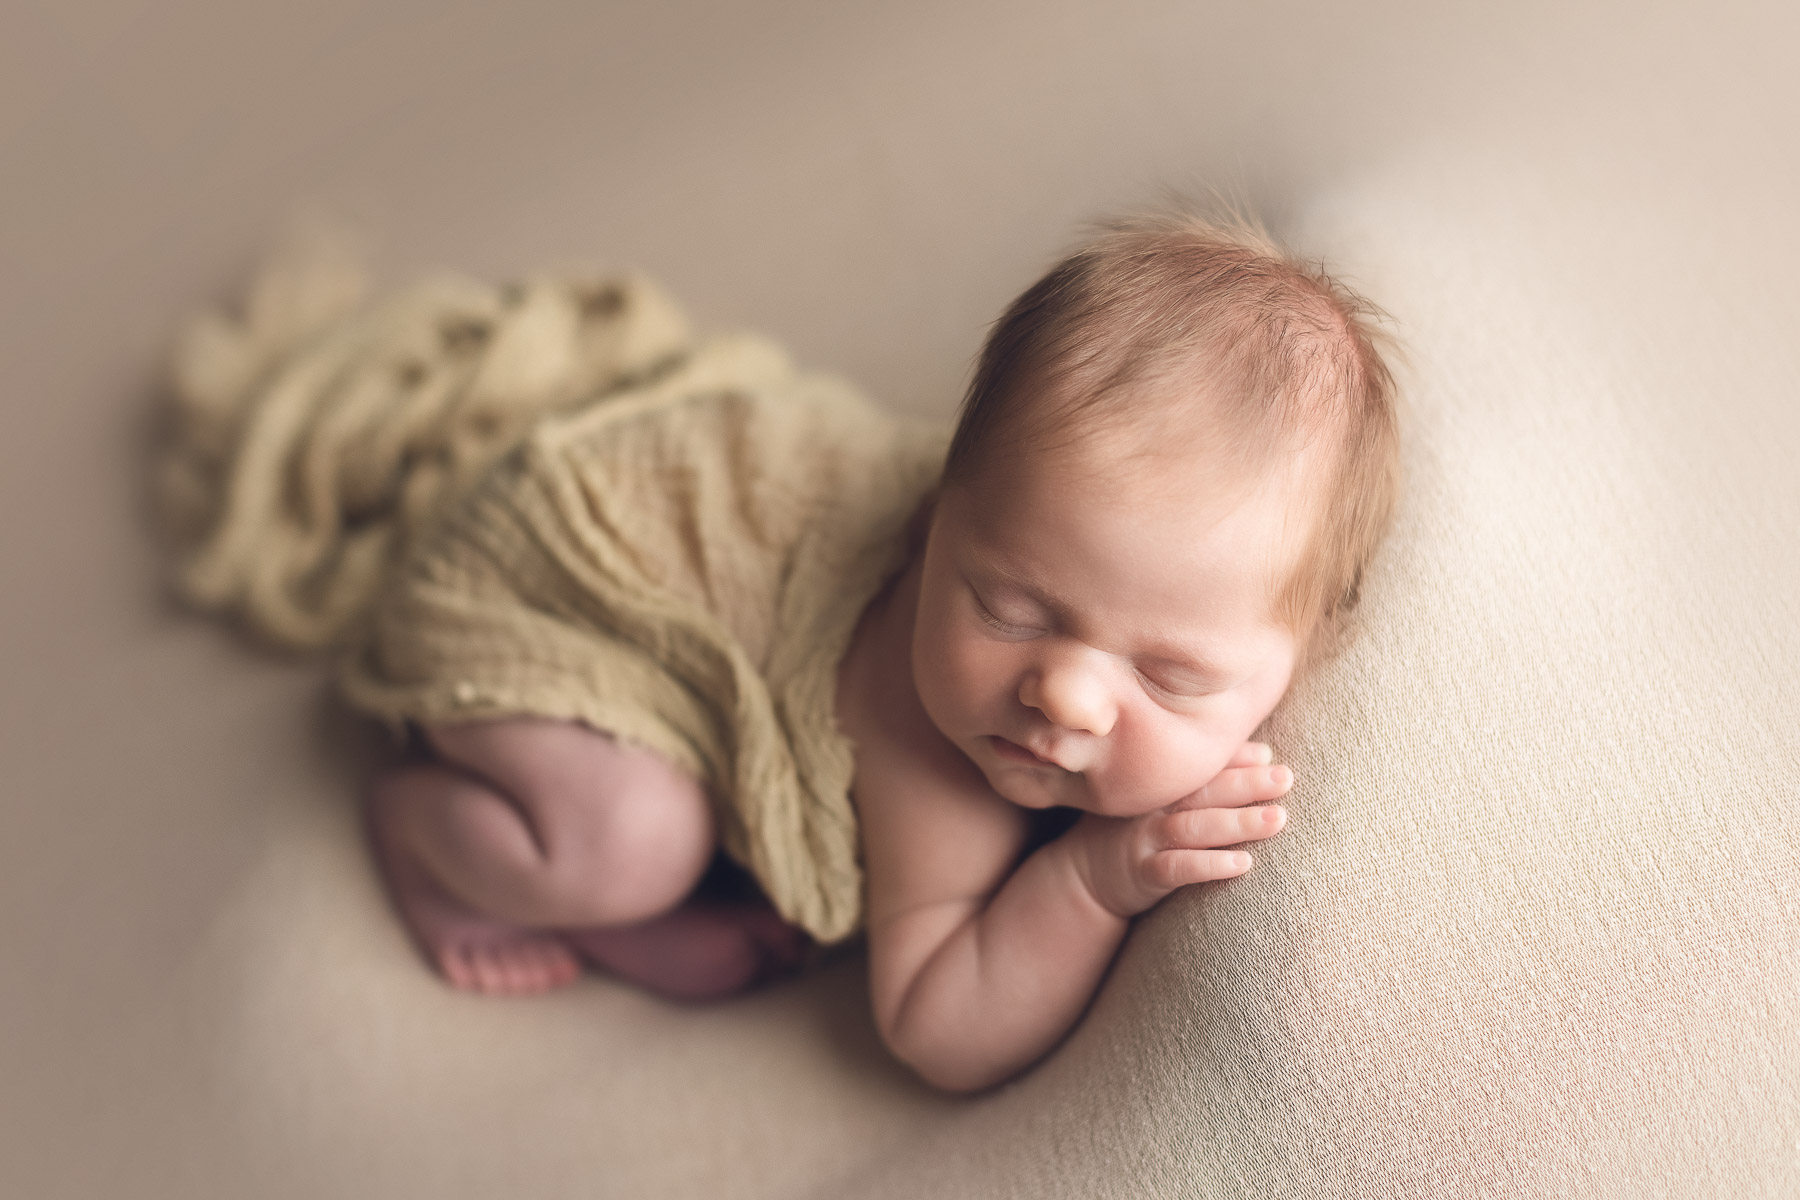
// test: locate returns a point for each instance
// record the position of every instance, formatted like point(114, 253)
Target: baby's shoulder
point(932, 829)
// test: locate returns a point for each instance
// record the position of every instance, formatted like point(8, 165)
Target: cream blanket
point(548, 500)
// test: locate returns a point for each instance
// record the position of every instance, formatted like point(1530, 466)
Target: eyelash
point(1004, 627)
point(1173, 693)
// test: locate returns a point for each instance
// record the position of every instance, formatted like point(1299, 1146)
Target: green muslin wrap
point(550, 500)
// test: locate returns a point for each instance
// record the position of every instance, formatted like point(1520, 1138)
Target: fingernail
point(1281, 776)
point(1242, 862)
point(1277, 815)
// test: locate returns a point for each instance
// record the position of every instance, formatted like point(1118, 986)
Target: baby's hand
point(1131, 863)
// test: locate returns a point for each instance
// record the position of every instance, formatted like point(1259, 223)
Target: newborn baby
point(1174, 461)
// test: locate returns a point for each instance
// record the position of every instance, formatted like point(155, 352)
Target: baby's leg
point(527, 829)
point(481, 953)
point(550, 823)
point(724, 937)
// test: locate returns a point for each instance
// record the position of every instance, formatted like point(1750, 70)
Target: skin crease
point(1113, 618)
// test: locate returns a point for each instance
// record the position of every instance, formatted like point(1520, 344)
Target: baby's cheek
point(1175, 763)
point(977, 671)
point(956, 686)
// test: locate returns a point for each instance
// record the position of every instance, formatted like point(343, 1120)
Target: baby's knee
point(632, 844)
point(624, 834)
point(627, 867)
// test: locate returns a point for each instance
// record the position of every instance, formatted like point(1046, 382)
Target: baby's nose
point(1071, 696)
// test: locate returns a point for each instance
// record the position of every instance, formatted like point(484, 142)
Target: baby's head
point(1176, 457)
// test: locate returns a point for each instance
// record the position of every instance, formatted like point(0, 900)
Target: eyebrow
point(1162, 653)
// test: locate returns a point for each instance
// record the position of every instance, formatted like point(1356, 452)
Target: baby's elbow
point(929, 1017)
point(947, 1073)
point(939, 1060)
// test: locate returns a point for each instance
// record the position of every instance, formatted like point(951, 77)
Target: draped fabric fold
point(551, 500)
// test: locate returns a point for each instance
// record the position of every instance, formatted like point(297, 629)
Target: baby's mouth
point(1013, 752)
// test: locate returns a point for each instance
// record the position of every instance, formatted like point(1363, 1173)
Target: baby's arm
point(977, 968)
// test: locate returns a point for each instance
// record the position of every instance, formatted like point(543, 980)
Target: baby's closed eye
point(1012, 624)
point(1176, 684)
point(1182, 681)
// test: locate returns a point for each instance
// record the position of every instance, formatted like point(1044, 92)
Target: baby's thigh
point(594, 802)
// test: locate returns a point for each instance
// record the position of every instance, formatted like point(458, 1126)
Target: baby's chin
point(1026, 791)
point(1071, 790)
point(1032, 798)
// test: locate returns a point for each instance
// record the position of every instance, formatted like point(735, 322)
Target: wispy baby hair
point(1264, 351)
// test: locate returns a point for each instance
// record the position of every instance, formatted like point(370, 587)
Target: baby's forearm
point(1008, 982)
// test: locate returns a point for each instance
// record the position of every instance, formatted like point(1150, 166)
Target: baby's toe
point(542, 966)
point(454, 963)
point(561, 965)
point(487, 968)
point(513, 969)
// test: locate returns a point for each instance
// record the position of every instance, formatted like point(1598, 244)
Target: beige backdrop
point(202, 993)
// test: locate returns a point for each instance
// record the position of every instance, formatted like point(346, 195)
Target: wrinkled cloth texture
point(683, 568)
point(549, 501)
point(315, 428)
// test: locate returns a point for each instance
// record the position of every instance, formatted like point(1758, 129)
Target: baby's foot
point(701, 951)
point(472, 951)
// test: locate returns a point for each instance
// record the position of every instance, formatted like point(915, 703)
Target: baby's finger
point(1205, 828)
point(1252, 754)
point(1171, 869)
point(1239, 785)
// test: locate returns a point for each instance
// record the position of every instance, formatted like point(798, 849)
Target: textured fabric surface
point(679, 560)
point(682, 565)
point(1534, 929)
point(316, 428)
